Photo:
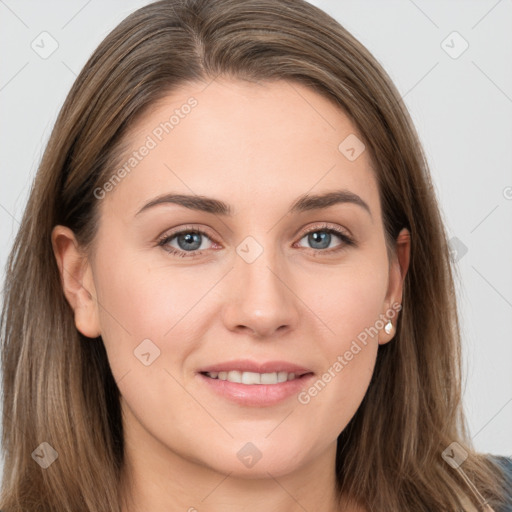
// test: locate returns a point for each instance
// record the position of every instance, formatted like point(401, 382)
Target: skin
point(257, 147)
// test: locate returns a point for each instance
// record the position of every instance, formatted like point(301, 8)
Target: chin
point(249, 462)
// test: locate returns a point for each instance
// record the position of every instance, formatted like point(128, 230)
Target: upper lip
point(246, 365)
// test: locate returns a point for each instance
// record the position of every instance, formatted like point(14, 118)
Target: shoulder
point(505, 464)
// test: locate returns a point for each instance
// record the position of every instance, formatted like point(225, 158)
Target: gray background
point(460, 101)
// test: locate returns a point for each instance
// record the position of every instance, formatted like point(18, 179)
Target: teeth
point(251, 377)
point(244, 377)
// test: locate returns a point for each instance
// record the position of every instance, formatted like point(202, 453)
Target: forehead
point(244, 143)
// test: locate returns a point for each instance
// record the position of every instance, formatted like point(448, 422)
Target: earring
point(388, 327)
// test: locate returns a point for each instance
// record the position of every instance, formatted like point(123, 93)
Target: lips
point(246, 365)
point(261, 387)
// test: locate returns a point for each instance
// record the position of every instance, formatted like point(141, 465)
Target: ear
point(77, 281)
point(397, 271)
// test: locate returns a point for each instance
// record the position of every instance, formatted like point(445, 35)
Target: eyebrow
point(301, 204)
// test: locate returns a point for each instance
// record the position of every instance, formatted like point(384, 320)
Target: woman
point(232, 285)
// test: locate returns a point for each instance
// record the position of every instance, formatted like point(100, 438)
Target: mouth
point(254, 378)
point(250, 383)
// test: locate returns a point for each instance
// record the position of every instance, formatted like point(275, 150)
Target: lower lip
point(257, 395)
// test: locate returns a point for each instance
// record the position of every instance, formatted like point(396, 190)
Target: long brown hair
point(57, 384)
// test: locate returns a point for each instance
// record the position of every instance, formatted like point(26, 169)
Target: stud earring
point(388, 327)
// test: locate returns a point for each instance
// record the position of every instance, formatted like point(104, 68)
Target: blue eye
point(321, 237)
point(190, 241)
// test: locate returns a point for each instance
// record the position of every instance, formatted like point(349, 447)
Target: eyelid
point(207, 231)
point(186, 228)
point(326, 226)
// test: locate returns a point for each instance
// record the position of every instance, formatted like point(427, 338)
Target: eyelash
point(347, 241)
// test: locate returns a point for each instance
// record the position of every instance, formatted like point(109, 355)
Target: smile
point(250, 378)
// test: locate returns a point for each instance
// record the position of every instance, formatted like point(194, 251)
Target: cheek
point(349, 303)
point(143, 313)
point(134, 305)
point(142, 298)
point(348, 300)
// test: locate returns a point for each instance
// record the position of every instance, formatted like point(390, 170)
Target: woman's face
point(183, 288)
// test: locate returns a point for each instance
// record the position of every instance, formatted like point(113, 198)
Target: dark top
point(505, 463)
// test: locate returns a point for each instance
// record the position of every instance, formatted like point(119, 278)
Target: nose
point(260, 298)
